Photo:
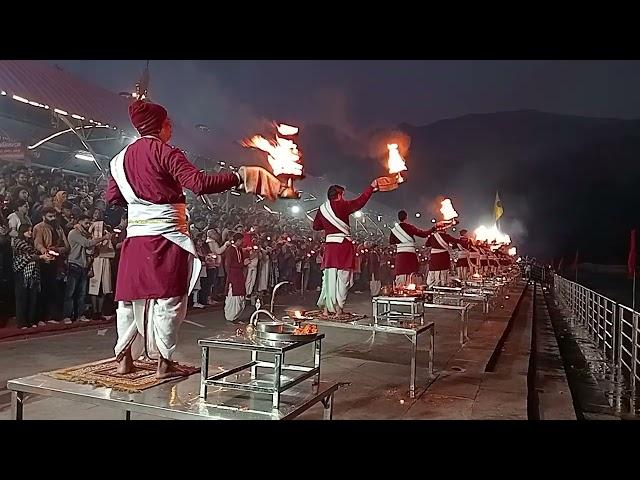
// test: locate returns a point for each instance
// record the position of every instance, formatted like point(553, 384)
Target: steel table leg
point(126, 415)
point(465, 316)
point(317, 351)
point(277, 372)
point(204, 372)
point(414, 349)
point(17, 403)
point(254, 369)
point(432, 348)
point(327, 403)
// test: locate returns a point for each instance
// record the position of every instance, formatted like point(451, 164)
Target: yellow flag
point(497, 209)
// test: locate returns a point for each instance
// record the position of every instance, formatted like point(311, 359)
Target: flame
point(411, 286)
point(287, 130)
point(512, 251)
point(297, 314)
point(491, 234)
point(395, 163)
point(283, 154)
point(447, 210)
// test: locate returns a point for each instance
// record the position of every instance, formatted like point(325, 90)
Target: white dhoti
point(164, 316)
point(463, 273)
point(233, 305)
point(335, 286)
point(263, 276)
point(374, 286)
point(250, 281)
point(101, 276)
point(438, 278)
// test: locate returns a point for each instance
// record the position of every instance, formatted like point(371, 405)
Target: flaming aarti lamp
point(284, 157)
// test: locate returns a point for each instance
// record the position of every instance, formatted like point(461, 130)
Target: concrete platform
point(377, 373)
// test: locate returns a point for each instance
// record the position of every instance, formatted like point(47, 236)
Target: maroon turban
point(147, 117)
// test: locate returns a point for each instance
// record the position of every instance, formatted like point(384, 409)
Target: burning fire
point(512, 251)
point(411, 286)
point(287, 130)
point(396, 163)
point(447, 210)
point(490, 234)
point(283, 154)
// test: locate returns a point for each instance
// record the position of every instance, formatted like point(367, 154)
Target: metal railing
point(613, 327)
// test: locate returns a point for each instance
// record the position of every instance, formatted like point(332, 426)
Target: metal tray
point(281, 332)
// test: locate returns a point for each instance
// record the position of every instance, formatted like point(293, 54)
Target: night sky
point(542, 164)
point(358, 95)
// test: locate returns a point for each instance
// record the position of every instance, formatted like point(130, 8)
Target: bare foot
point(168, 369)
point(125, 364)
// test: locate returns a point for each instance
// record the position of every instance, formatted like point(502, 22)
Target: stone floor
point(378, 373)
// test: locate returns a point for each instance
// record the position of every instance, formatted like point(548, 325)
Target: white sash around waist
point(405, 248)
point(336, 237)
point(407, 243)
point(439, 250)
point(149, 219)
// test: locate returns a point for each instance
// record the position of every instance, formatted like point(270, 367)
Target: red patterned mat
point(103, 373)
point(344, 318)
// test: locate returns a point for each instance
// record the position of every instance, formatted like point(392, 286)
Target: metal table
point(273, 384)
point(410, 329)
point(412, 303)
point(178, 399)
point(479, 297)
point(463, 309)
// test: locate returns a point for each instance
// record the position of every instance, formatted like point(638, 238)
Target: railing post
point(634, 354)
point(618, 354)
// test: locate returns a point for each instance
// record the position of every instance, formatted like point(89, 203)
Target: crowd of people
point(60, 243)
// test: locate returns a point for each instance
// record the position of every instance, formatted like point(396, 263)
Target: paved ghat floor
point(377, 373)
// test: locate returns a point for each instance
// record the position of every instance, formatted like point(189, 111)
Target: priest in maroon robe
point(158, 262)
point(403, 237)
point(339, 258)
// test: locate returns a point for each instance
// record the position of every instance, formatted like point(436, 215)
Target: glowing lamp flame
point(287, 130)
point(282, 153)
point(396, 163)
point(512, 251)
point(491, 235)
point(297, 314)
point(411, 286)
point(447, 210)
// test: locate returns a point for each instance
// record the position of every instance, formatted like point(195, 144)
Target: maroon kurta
point(466, 244)
point(440, 261)
point(152, 266)
point(341, 255)
point(234, 267)
point(484, 262)
point(406, 262)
